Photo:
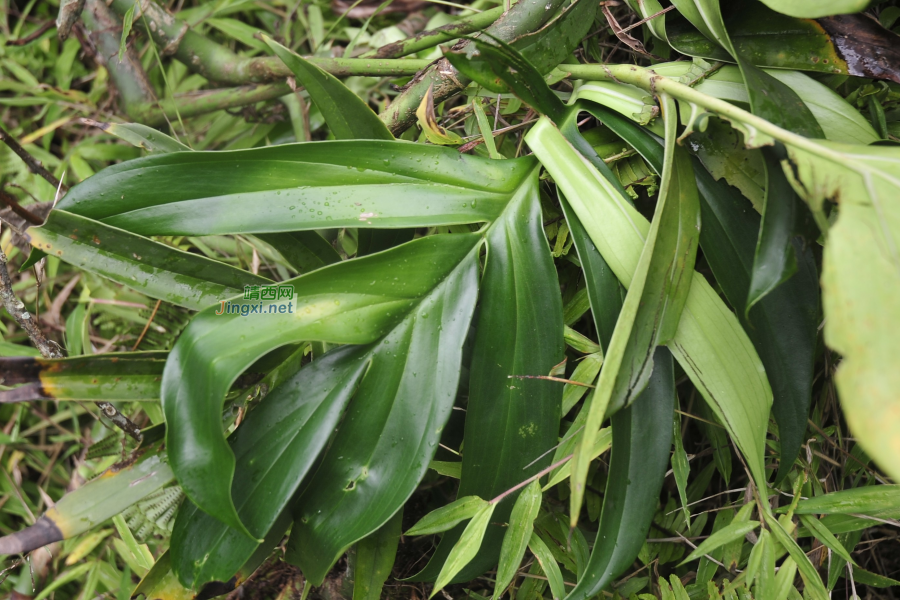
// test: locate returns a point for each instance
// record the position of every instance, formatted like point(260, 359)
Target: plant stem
point(191, 105)
point(537, 475)
point(217, 63)
point(525, 16)
point(128, 75)
point(429, 39)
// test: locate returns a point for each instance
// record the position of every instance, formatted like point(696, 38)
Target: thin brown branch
point(147, 326)
point(10, 201)
point(34, 165)
point(32, 36)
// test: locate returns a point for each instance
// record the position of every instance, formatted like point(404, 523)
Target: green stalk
point(217, 63)
point(128, 75)
point(433, 37)
point(524, 17)
point(191, 105)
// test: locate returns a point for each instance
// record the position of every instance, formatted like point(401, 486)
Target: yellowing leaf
point(434, 133)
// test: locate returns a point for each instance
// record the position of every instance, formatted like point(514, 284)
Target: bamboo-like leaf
point(681, 468)
point(141, 136)
point(821, 533)
point(448, 516)
point(548, 563)
point(761, 566)
point(734, 531)
point(466, 547)
point(808, 573)
point(875, 500)
point(347, 116)
point(641, 443)
point(518, 534)
point(784, 579)
point(149, 267)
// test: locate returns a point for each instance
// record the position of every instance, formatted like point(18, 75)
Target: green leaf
point(328, 304)
point(274, 449)
point(346, 183)
point(487, 132)
point(641, 443)
point(510, 423)
point(95, 502)
point(866, 578)
point(112, 377)
point(681, 468)
point(727, 534)
point(784, 579)
point(813, 9)
point(874, 500)
point(465, 548)
point(517, 536)
point(548, 563)
point(821, 533)
point(709, 339)
point(127, 22)
point(346, 114)
point(375, 555)
point(586, 372)
point(814, 587)
point(152, 268)
point(389, 435)
point(305, 250)
point(448, 516)
point(149, 139)
point(652, 309)
point(761, 566)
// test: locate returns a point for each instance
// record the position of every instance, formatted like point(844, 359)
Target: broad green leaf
point(517, 536)
point(95, 502)
point(653, 306)
point(328, 304)
point(875, 500)
point(448, 516)
point(304, 250)
point(374, 559)
point(465, 548)
point(813, 9)
point(641, 443)
point(152, 268)
point(274, 449)
point(821, 533)
point(510, 423)
point(347, 116)
point(548, 563)
point(345, 183)
point(389, 435)
point(141, 136)
point(111, 377)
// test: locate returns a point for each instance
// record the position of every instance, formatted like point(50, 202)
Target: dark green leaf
point(510, 422)
point(642, 438)
point(305, 250)
point(348, 183)
point(548, 563)
point(274, 449)
point(384, 444)
point(149, 267)
point(329, 304)
point(346, 114)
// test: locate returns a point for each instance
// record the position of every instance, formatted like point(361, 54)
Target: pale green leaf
point(448, 516)
point(465, 548)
